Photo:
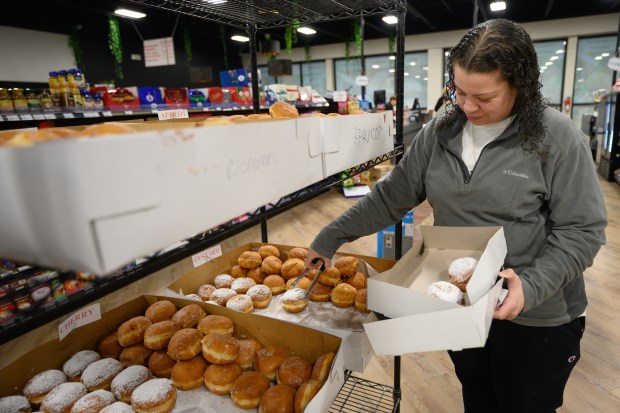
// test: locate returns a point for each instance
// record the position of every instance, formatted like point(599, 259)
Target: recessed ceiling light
point(498, 6)
point(216, 1)
point(129, 13)
point(389, 19)
point(425, 68)
point(412, 64)
point(579, 69)
point(238, 38)
point(406, 73)
point(391, 70)
point(548, 63)
point(417, 76)
point(392, 57)
point(598, 58)
point(306, 30)
point(605, 54)
point(553, 58)
point(375, 66)
point(560, 51)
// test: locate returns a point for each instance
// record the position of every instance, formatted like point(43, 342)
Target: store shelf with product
point(131, 175)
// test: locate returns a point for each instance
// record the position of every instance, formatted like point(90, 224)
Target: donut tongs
point(314, 280)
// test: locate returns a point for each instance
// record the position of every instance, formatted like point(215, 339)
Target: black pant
point(520, 369)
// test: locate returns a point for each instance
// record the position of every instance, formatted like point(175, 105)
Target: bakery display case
point(149, 156)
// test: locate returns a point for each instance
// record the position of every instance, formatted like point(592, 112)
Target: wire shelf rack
point(358, 395)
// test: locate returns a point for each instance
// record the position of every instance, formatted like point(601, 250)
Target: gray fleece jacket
point(553, 212)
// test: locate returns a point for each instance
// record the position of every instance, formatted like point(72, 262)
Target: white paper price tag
point(80, 318)
point(172, 114)
point(38, 117)
point(12, 117)
point(91, 114)
point(107, 113)
point(68, 115)
point(206, 255)
point(50, 116)
point(26, 117)
point(340, 96)
point(129, 112)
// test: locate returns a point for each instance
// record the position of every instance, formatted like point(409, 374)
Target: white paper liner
point(201, 400)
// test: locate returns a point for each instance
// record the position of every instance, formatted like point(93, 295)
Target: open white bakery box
point(299, 340)
point(95, 204)
point(418, 322)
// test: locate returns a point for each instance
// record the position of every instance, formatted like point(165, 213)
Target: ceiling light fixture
point(238, 38)
point(214, 2)
point(392, 57)
point(498, 6)
point(392, 70)
point(389, 19)
point(306, 30)
point(129, 13)
point(375, 66)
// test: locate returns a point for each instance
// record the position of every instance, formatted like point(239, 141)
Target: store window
point(591, 73)
point(304, 74)
point(551, 57)
point(382, 76)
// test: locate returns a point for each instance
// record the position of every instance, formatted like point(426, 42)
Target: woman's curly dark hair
point(504, 46)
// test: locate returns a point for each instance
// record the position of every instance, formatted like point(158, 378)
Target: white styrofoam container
point(419, 322)
point(94, 204)
point(349, 141)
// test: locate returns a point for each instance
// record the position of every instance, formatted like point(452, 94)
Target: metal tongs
point(314, 280)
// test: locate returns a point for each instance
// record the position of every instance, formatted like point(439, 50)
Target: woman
point(500, 156)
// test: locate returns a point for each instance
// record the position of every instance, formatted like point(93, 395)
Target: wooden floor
point(427, 379)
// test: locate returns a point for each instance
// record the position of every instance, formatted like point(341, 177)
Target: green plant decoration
point(224, 48)
point(357, 36)
point(391, 44)
point(116, 45)
point(308, 54)
point(78, 53)
point(187, 44)
point(290, 35)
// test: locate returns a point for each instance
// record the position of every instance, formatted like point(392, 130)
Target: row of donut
point(142, 364)
point(459, 274)
point(261, 274)
point(16, 138)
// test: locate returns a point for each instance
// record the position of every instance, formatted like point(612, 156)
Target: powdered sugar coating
point(242, 285)
point(118, 407)
point(462, 268)
point(63, 397)
point(43, 383)
point(205, 291)
point(128, 380)
point(241, 303)
point(94, 401)
point(101, 371)
point(74, 367)
point(259, 292)
point(14, 404)
point(221, 295)
point(445, 291)
point(294, 294)
point(223, 281)
point(152, 393)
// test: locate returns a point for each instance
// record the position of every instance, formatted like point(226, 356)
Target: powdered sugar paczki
point(462, 268)
point(14, 404)
point(242, 285)
point(101, 371)
point(294, 294)
point(63, 397)
point(153, 392)
point(240, 303)
point(128, 380)
point(221, 295)
point(445, 291)
point(223, 281)
point(94, 401)
point(118, 407)
point(259, 292)
point(74, 367)
point(43, 383)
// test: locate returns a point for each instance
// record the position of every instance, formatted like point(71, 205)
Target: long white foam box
point(94, 204)
point(349, 141)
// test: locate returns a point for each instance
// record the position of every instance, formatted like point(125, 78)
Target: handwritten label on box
point(80, 318)
point(206, 255)
point(172, 114)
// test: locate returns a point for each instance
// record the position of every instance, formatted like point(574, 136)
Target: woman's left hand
point(515, 300)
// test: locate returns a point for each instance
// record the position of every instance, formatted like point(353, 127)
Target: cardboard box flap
point(310, 128)
point(457, 238)
point(490, 263)
point(483, 309)
point(330, 143)
point(453, 329)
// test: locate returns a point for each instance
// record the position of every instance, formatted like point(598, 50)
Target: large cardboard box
point(95, 204)
point(419, 322)
point(300, 340)
point(351, 140)
point(356, 349)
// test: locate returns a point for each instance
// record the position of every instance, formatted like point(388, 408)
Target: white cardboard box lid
point(338, 130)
point(400, 291)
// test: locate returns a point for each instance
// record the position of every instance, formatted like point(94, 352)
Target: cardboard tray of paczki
point(417, 322)
point(346, 323)
point(299, 340)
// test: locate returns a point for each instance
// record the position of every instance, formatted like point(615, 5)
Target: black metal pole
point(475, 13)
point(254, 68)
point(363, 60)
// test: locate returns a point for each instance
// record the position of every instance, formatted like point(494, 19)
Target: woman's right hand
point(312, 254)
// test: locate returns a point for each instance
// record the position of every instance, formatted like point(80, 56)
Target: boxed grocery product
point(344, 323)
point(351, 140)
point(420, 322)
point(125, 98)
point(235, 78)
point(151, 98)
point(301, 341)
point(198, 98)
point(176, 97)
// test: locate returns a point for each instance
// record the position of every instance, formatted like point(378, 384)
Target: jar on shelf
point(20, 103)
point(63, 81)
point(52, 80)
point(6, 103)
point(46, 101)
point(87, 100)
point(77, 99)
point(34, 100)
point(75, 78)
